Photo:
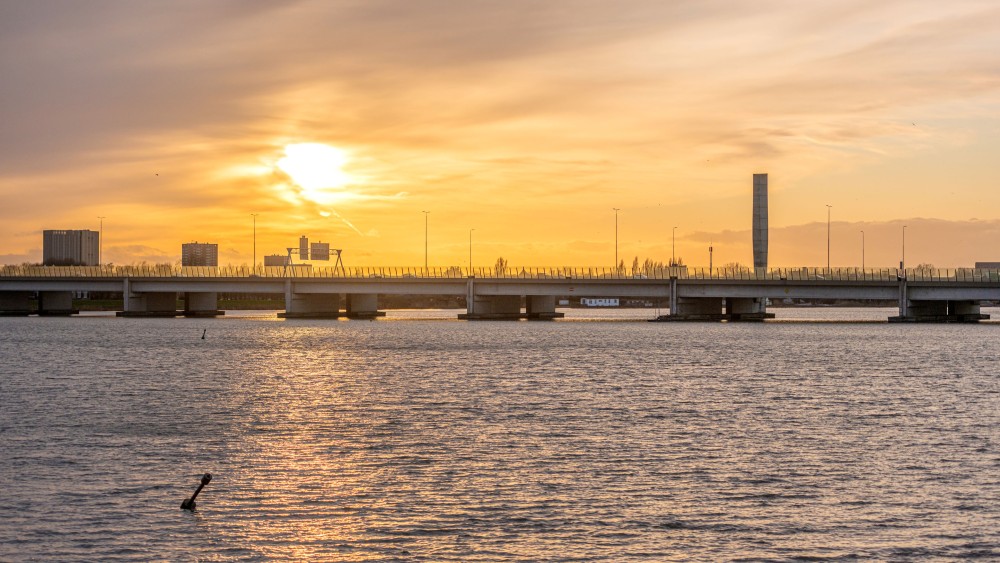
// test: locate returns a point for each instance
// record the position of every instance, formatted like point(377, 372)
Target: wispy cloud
point(170, 116)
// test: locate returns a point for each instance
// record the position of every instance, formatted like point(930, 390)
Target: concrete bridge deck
point(951, 295)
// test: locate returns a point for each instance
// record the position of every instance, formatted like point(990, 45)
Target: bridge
point(690, 294)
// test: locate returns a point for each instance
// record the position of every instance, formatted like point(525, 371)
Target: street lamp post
point(673, 247)
point(100, 242)
point(470, 251)
point(253, 265)
point(862, 251)
point(828, 208)
point(426, 214)
point(616, 235)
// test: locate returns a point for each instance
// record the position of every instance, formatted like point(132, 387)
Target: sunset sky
point(526, 121)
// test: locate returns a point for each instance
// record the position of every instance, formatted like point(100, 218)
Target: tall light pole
point(709, 258)
point(828, 208)
point(673, 247)
point(253, 265)
point(862, 251)
point(426, 214)
point(470, 251)
point(616, 235)
point(100, 241)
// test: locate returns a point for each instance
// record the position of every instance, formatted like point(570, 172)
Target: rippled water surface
point(418, 438)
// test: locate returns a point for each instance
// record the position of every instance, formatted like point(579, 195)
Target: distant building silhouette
point(760, 220)
point(199, 254)
point(70, 247)
point(303, 248)
point(988, 265)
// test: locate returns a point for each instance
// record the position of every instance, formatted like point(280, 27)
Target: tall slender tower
point(760, 220)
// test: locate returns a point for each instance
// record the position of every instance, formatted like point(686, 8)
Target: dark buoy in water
point(189, 503)
point(203, 334)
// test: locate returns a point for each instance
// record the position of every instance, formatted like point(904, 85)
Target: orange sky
point(526, 121)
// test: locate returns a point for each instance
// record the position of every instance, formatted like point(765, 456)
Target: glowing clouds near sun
point(318, 170)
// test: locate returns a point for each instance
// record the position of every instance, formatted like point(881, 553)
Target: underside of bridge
point(150, 304)
point(940, 312)
point(363, 306)
point(732, 309)
point(202, 304)
point(15, 303)
point(312, 306)
point(508, 307)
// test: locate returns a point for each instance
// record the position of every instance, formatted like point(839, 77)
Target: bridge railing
point(299, 271)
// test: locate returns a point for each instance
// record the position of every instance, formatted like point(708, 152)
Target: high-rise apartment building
point(70, 247)
point(199, 254)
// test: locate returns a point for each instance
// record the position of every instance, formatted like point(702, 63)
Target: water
point(419, 438)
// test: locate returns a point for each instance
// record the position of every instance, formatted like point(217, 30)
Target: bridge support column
point(363, 306)
point(922, 312)
point(310, 305)
point(694, 309)
point(747, 309)
point(55, 303)
point(15, 303)
point(494, 307)
point(940, 312)
point(966, 311)
point(150, 304)
point(202, 304)
point(542, 307)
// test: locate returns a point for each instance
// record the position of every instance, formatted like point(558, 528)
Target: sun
point(317, 169)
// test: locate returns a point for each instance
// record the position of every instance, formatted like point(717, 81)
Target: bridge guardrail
point(540, 273)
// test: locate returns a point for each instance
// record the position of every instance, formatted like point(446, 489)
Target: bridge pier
point(202, 304)
point(310, 305)
point(541, 307)
point(15, 303)
point(363, 306)
point(747, 309)
point(694, 309)
point(935, 311)
point(939, 312)
point(494, 308)
point(56, 303)
point(507, 307)
point(149, 304)
point(967, 311)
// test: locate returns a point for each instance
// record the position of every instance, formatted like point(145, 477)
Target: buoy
point(203, 334)
point(189, 503)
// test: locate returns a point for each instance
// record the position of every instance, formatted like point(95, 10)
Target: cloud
point(169, 117)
